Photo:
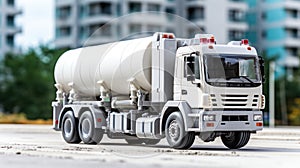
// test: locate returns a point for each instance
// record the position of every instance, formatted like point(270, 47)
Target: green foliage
point(27, 82)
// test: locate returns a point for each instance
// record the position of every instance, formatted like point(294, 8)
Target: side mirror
point(190, 67)
point(262, 68)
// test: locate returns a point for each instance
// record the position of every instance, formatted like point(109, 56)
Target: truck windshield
point(231, 70)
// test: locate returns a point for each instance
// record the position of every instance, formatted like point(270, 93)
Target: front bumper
point(230, 121)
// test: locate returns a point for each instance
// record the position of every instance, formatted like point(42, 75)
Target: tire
point(235, 140)
point(151, 141)
point(69, 128)
point(175, 132)
point(87, 131)
point(134, 141)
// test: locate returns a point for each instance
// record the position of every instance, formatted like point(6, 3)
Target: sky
point(37, 22)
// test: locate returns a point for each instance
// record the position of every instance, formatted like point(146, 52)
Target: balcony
point(64, 42)
point(12, 10)
point(11, 30)
point(292, 22)
point(96, 19)
point(292, 42)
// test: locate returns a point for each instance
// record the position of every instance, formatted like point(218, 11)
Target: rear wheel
point(235, 140)
point(176, 134)
point(87, 131)
point(69, 128)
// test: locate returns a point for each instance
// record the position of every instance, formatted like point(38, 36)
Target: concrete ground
point(40, 146)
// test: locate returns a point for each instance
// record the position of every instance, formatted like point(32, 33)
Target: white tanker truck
point(146, 89)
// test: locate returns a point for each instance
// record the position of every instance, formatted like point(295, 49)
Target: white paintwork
point(114, 63)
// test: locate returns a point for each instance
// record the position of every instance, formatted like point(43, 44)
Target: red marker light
point(210, 124)
point(165, 36)
point(56, 122)
point(212, 40)
point(244, 42)
point(259, 124)
point(171, 36)
point(248, 48)
point(204, 40)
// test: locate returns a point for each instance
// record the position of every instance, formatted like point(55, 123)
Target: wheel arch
point(97, 114)
point(172, 106)
point(61, 115)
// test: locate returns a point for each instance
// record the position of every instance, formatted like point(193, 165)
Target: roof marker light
point(248, 48)
point(244, 42)
point(165, 36)
point(203, 40)
point(212, 40)
point(171, 36)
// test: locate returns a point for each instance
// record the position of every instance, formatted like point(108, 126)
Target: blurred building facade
point(8, 29)
point(76, 21)
point(274, 28)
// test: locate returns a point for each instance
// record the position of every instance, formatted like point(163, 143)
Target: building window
point(63, 12)
point(10, 40)
point(11, 2)
point(106, 8)
point(170, 11)
point(195, 13)
point(134, 7)
point(99, 30)
point(10, 21)
point(264, 34)
point(63, 31)
point(135, 28)
point(236, 15)
point(236, 35)
point(153, 7)
point(153, 28)
point(291, 33)
point(292, 13)
point(100, 8)
point(292, 51)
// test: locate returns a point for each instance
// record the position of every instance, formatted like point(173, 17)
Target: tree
point(27, 82)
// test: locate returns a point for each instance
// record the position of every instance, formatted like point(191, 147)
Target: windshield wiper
point(247, 78)
point(244, 77)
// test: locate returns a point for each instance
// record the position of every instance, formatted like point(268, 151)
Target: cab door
point(191, 89)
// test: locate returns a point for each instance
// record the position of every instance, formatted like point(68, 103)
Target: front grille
point(234, 100)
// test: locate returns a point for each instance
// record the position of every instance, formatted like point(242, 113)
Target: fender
point(183, 107)
point(98, 114)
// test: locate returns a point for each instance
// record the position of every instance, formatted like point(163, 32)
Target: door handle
point(184, 92)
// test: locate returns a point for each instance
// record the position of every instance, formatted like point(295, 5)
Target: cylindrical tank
point(113, 63)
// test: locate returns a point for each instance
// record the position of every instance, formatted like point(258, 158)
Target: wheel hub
point(68, 127)
point(174, 130)
point(86, 128)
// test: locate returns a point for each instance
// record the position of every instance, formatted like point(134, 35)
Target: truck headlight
point(257, 117)
point(209, 117)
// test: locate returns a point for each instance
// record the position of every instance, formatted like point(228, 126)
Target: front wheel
point(87, 131)
point(175, 132)
point(235, 140)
